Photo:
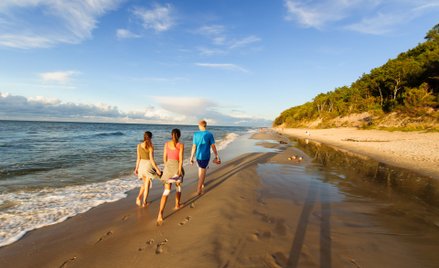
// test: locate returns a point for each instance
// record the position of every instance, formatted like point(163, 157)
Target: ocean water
point(50, 171)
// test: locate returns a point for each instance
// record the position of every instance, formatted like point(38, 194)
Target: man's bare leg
point(201, 178)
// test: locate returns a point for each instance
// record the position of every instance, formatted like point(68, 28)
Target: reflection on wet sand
point(354, 211)
point(342, 167)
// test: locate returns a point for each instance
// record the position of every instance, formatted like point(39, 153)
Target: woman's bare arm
point(138, 160)
point(165, 154)
point(151, 158)
point(180, 159)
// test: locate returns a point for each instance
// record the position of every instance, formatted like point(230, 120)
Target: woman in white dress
point(146, 168)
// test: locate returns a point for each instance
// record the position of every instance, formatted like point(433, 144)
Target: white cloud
point(50, 22)
point(171, 110)
point(386, 21)
point(380, 24)
point(43, 108)
point(25, 41)
point(204, 51)
point(365, 16)
point(192, 109)
point(219, 37)
point(215, 32)
point(58, 76)
point(189, 106)
point(40, 107)
point(159, 18)
point(243, 42)
point(318, 13)
point(223, 66)
point(212, 30)
point(125, 34)
point(44, 100)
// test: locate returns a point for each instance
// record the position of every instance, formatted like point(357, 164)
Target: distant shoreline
point(416, 151)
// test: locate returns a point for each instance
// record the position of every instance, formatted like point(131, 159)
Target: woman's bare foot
point(159, 221)
point(178, 206)
point(145, 204)
point(138, 202)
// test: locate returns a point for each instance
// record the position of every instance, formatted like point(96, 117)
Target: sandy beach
point(259, 209)
point(418, 151)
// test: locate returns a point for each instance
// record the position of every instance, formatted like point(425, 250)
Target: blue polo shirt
point(203, 140)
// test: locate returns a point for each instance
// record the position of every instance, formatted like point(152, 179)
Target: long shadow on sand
point(225, 173)
point(325, 226)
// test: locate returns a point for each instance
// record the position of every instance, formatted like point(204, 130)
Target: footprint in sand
point(102, 238)
point(186, 220)
point(125, 218)
point(67, 261)
point(255, 236)
point(161, 247)
point(148, 243)
point(266, 234)
point(280, 259)
point(280, 228)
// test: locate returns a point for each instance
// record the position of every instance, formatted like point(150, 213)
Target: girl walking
point(173, 171)
point(146, 168)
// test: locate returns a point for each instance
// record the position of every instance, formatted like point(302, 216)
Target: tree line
point(408, 84)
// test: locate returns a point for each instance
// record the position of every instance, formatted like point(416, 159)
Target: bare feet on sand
point(202, 190)
point(138, 202)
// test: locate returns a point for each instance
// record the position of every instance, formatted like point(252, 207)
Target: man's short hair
point(202, 123)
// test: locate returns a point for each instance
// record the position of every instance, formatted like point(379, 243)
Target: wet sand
point(259, 210)
point(418, 151)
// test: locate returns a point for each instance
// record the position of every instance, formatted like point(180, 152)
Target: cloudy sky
point(231, 62)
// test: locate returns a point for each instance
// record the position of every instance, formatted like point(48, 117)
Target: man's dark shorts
point(203, 163)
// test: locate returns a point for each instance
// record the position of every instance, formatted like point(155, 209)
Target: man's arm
point(215, 152)
point(194, 149)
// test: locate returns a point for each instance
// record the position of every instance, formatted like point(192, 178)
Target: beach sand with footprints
point(260, 209)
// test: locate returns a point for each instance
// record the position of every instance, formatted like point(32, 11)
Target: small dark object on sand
point(283, 142)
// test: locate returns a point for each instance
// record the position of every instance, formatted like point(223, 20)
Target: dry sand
point(258, 210)
point(418, 151)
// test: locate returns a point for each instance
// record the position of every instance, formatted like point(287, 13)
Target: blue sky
point(231, 62)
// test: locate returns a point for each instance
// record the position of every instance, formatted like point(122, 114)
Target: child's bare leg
point(201, 177)
point(166, 191)
point(177, 195)
point(147, 181)
point(139, 196)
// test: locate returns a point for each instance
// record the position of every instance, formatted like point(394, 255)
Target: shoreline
point(415, 151)
point(259, 209)
point(65, 197)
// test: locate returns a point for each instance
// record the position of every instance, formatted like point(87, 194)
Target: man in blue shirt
point(202, 142)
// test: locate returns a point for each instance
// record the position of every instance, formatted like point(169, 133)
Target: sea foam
point(28, 210)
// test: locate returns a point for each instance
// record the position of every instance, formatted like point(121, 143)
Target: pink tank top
point(173, 154)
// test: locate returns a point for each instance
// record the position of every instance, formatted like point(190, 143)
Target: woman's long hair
point(176, 134)
point(147, 139)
